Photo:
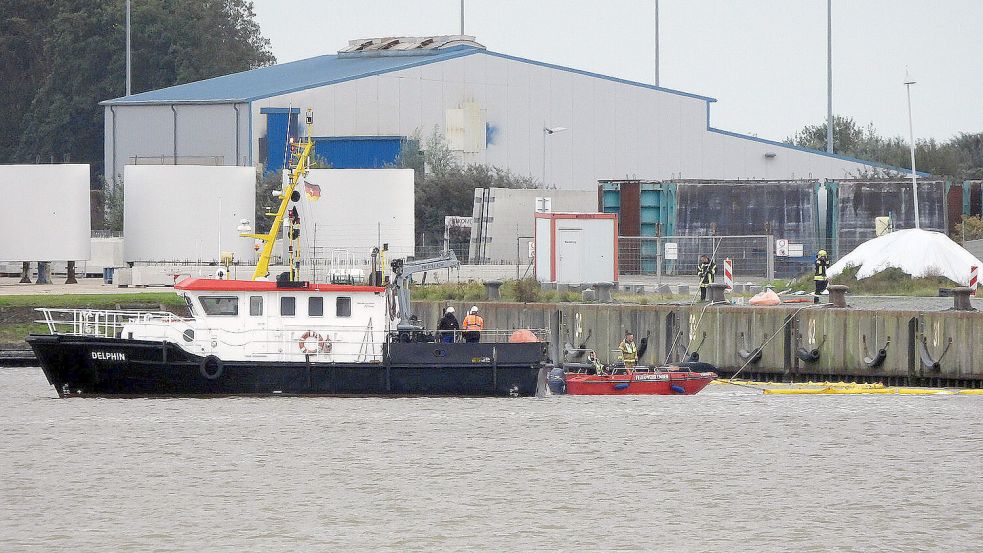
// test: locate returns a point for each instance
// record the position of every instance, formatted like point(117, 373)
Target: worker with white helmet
point(449, 325)
point(473, 325)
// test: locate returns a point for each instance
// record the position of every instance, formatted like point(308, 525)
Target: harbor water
point(729, 469)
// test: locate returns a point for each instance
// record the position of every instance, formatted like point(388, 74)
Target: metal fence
point(752, 255)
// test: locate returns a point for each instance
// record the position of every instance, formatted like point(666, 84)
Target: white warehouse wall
point(45, 212)
point(615, 129)
point(358, 209)
point(205, 135)
point(186, 212)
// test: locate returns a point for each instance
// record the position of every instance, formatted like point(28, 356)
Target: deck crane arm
point(402, 273)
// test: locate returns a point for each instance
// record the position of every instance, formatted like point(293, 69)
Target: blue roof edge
point(440, 55)
point(817, 152)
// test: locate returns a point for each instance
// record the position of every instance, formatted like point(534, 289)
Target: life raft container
point(311, 342)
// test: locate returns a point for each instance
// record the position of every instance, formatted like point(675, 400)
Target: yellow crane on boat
point(298, 164)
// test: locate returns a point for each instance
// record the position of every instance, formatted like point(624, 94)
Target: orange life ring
point(311, 342)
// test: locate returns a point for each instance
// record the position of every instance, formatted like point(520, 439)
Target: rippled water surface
point(726, 470)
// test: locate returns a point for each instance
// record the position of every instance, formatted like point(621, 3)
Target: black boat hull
point(92, 366)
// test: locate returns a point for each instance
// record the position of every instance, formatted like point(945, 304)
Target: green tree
point(960, 157)
point(444, 186)
point(74, 57)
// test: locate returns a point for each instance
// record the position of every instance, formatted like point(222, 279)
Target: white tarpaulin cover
point(919, 253)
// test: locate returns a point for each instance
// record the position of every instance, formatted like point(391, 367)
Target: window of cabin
point(288, 306)
point(315, 306)
point(220, 306)
point(255, 306)
point(343, 307)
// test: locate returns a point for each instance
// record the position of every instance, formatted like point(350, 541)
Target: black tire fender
point(206, 367)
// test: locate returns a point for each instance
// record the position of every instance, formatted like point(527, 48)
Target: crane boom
point(402, 272)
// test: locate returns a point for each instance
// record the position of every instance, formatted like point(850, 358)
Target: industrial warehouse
point(565, 127)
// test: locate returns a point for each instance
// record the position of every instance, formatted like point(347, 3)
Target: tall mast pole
point(128, 72)
point(911, 137)
point(462, 17)
point(656, 42)
point(829, 76)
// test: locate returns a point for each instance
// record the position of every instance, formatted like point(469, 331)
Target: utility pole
point(462, 17)
point(656, 42)
point(911, 137)
point(128, 72)
point(829, 76)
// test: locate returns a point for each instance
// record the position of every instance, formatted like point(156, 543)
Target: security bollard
point(837, 295)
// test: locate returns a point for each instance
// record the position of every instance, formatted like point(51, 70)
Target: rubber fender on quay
point(809, 356)
point(877, 360)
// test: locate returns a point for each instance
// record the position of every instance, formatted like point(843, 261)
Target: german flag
point(313, 191)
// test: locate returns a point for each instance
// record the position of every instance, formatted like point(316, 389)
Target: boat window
point(255, 306)
point(343, 307)
point(315, 306)
point(220, 305)
point(288, 306)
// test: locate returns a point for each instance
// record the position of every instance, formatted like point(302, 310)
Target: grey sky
point(764, 60)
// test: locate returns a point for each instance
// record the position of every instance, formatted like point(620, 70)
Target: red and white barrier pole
point(973, 279)
point(729, 274)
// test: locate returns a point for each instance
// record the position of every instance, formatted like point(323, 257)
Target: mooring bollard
point(837, 295)
point(604, 291)
point(71, 274)
point(493, 289)
point(960, 299)
point(589, 295)
point(44, 272)
point(717, 292)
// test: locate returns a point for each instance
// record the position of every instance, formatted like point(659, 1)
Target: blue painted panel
point(277, 136)
point(359, 152)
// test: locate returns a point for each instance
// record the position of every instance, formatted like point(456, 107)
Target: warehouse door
point(569, 260)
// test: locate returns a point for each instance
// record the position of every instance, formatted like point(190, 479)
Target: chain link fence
point(753, 255)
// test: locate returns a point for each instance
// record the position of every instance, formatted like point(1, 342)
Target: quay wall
point(796, 343)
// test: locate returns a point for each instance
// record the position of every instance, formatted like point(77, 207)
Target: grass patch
point(15, 333)
point(889, 282)
point(92, 301)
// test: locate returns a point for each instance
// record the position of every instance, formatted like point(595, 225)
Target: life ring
point(311, 342)
point(206, 367)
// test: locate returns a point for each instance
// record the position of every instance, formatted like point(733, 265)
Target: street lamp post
point(548, 132)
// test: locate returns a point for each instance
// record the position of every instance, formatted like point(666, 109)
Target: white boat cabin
point(261, 320)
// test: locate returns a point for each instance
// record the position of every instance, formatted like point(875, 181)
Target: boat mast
point(298, 164)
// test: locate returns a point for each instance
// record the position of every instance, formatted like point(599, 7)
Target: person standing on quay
point(822, 280)
point(706, 270)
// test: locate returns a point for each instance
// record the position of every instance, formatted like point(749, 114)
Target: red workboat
point(638, 381)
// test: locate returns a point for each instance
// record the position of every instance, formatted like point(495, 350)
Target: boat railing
point(493, 336)
point(105, 323)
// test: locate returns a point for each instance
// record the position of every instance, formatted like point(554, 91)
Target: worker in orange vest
point(473, 325)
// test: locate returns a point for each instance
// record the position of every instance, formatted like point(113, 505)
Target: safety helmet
point(449, 309)
point(474, 309)
point(822, 253)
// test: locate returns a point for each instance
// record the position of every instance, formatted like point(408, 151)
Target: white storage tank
point(576, 248)
point(44, 215)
